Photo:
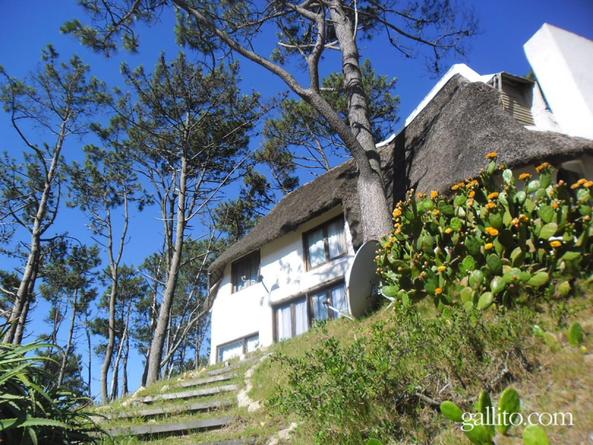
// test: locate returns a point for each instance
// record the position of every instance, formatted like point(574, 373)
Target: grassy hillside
point(555, 378)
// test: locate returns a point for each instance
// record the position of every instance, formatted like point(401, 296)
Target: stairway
point(195, 409)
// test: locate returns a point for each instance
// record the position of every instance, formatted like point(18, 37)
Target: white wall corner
point(563, 64)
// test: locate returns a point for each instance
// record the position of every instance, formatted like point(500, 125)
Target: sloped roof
point(446, 142)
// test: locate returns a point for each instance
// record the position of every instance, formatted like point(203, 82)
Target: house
point(291, 269)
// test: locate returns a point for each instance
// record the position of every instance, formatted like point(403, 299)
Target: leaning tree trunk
point(68, 348)
point(22, 295)
point(158, 340)
point(22, 324)
point(371, 191)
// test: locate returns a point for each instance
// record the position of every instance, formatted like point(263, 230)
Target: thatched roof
point(445, 143)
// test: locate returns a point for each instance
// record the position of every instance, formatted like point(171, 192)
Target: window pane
point(316, 248)
point(301, 322)
point(335, 238)
point(339, 299)
point(252, 343)
point(231, 350)
point(246, 271)
point(318, 306)
point(283, 323)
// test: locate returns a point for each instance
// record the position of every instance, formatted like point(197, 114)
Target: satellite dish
point(362, 279)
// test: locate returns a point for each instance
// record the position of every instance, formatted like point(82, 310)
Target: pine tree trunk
point(110, 335)
point(16, 322)
point(68, 348)
point(374, 207)
point(90, 352)
point(158, 340)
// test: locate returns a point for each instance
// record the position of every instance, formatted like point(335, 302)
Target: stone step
point(189, 394)
point(186, 408)
point(233, 442)
point(205, 380)
point(171, 428)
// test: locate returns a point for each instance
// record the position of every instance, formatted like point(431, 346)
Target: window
point(291, 319)
point(237, 347)
point(245, 271)
point(321, 301)
point(296, 316)
point(324, 243)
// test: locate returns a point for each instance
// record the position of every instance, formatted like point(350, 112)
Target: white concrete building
point(291, 270)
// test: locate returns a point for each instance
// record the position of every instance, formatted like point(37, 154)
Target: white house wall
point(282, 266)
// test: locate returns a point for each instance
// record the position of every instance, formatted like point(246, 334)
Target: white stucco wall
point(282, 266)
point(563, 64)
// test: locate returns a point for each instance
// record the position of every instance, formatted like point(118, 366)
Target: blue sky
point(26, 27)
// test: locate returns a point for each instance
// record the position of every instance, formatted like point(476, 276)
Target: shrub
point(379, 385)
point(32, 414)
point(495, 239)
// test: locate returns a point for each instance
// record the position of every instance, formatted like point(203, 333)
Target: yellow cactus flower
point(525, 176)
point(472, 193)
point(515, 222)
point(448, 230)
point(457, 186)
point(442, 268)
point(436, 213)
point(556, 243)
point(543, 166)
point(421, 195)
point(434, 194)
point(491, 231)
point(488, 246)
point(438, 291)
point(493, 195)
point(491, 205)
point(491, 155)
point(523, 218)
point(397, 213)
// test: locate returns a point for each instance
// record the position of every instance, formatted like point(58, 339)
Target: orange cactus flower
point(588, 184)
point(438, 291)
point(543, 166)
point(555, 244)
point(555, 204)
point(491, 155)
point(525, 176)
point(491, 231)
point(470, 202)
point(575, 186)
point(434, 194)
point(493, 195)
point(491, 205)
point(472, 193)
point(488, 246)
